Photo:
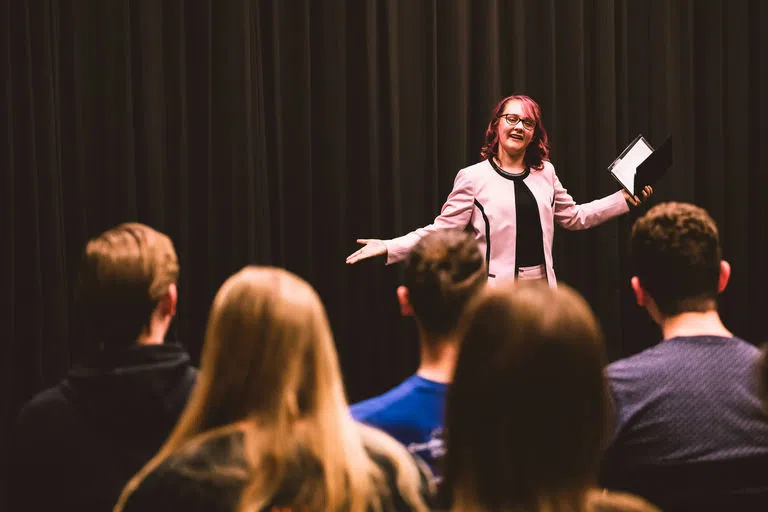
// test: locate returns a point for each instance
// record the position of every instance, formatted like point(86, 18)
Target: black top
point(211, 476)
point(529, 246)
point(75, 446)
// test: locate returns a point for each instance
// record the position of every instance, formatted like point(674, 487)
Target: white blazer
point(485, 200)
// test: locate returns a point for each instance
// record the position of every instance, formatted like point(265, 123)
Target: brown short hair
point(442, 272)
point(528, 410)
point(123, 274)
point(676, 255)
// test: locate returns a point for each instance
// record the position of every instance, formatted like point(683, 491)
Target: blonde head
point(268, 353)
point(269, 369)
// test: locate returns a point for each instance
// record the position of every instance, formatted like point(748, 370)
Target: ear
point(640, 296)
point(405, 304)
point(167, 305)
point(646, 301)
point(725, 275)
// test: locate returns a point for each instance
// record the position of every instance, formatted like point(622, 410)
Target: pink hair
point(537, 151)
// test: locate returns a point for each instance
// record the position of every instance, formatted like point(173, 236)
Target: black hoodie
point(76, 445)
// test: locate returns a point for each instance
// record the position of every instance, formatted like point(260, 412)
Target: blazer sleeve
point(572, 216)
point(456, 213)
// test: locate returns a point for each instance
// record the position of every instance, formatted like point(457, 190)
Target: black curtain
point(278, 132)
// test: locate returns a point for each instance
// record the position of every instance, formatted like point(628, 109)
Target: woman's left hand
point(637, 200)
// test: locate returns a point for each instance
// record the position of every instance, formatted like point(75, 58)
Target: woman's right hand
point(371, 247)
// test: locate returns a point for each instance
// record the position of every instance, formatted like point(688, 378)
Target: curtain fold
point(276, 133)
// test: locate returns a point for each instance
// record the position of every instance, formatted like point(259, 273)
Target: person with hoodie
point(74, 446)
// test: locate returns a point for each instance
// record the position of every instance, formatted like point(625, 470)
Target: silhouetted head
point(528, 410)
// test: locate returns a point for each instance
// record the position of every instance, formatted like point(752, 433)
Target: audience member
point(443, 271)
point(690, 434)
point(268, 426)
point(75, 446)
point(528, 411)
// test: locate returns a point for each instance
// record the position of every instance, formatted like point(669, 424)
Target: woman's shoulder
point(546, 167)
point(391, 458)
point(382, 448)
point(475, 169)
point(208, 452)
point(205, 474)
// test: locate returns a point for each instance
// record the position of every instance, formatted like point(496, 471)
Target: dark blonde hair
point(528, 409)
point(442, 273)
point(123, 274)
point(269, 370)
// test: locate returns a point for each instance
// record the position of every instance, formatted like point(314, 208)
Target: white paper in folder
point(625, 166)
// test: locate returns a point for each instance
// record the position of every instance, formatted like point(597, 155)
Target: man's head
point(127, 284)
point(442, 272)
point(677, 259)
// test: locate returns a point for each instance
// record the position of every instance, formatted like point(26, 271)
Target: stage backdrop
point(278, 132)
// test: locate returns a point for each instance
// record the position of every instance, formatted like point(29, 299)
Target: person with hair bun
point(510, 200)
point(443, 271)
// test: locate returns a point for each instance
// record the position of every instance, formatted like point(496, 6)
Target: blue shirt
point(412, 413)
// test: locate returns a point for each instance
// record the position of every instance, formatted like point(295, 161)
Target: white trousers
point(532, 273)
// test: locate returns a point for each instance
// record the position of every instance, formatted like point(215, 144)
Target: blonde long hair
point(269, 369)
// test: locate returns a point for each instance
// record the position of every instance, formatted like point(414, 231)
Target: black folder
point(654, 167)
point(640, 165)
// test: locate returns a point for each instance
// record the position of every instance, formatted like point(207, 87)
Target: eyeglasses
point(513, 119)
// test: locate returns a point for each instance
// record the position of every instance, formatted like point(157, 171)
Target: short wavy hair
point(443, 271)
point(676, 256)
point(123, 274)
point(537, 151)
